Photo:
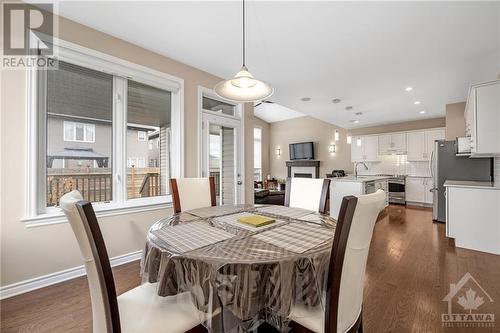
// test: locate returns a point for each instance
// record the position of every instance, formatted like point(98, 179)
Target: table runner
point(191, 236)
point(296, 237)
point(217, 210)
point(290, 212)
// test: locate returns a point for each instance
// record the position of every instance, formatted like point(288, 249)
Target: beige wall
point(304, 129)
point(455, 120)
point(399, 127)
point(31, 252)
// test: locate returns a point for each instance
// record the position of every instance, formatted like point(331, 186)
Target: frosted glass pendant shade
point(243, 88)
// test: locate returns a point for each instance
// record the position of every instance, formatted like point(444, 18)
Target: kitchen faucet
point(356, 168)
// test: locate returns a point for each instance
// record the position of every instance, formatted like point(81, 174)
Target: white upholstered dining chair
point(138, 310)
point(344, 294)
point(307, 193)
point(192, 193)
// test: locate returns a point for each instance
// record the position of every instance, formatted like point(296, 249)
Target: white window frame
point(238, 115)
point(85, 127)
point(260, 143)
point(36, 213)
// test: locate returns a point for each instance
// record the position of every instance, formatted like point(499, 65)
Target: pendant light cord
point(244, 41)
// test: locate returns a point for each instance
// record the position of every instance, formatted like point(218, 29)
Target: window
point(87, 139)
point(79, 132)
point(214, 105)
point(79, 161)
point(148, 108)
point(141, 136)
point(257, 154)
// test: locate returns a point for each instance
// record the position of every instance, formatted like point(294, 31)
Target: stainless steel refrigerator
point(446, 165)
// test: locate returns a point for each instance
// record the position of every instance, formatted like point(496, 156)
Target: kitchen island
point(473, 214)
point(352, 185)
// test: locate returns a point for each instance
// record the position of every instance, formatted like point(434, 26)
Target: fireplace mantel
point(313, 164)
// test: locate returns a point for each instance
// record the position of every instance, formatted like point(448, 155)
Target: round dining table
point(240, 276)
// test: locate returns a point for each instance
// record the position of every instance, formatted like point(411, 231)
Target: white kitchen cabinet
point(370, 144)
point(367, 152)
point(420, 144)
point(428, 185)
point(394, 143)
point(473, 217)
point(430, 137)
point(482, 118)
point(414, 190)
point(356, 151)
point(415, 146)
point(417, 190)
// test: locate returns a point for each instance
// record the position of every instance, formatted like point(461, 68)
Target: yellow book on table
point(256, 220)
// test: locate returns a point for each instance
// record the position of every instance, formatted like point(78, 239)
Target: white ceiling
point(364, 53)
point(275, 112)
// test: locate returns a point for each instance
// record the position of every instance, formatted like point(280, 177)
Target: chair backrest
point(351, 243)
point(192, 193)
point(81, 216)
point(307, 193)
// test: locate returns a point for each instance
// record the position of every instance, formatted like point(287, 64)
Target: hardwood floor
point(410, 268)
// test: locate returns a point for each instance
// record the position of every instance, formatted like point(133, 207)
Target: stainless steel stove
point(396, 188)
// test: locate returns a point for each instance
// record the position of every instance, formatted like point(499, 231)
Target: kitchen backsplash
point(396, 165)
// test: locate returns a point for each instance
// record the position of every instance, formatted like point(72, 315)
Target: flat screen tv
point(302, 151)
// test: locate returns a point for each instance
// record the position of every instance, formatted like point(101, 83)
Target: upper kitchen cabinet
point(367, 151)
point(482, 118)
point(421, 143)
point(392, 144)
point(430, 137)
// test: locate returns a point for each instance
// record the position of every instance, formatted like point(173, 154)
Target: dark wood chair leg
point(360, 328)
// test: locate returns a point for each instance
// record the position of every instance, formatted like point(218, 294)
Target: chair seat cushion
point(311, 318)
point(142, 310)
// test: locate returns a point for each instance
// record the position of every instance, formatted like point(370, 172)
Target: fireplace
point(302, 175)
point(303, 168)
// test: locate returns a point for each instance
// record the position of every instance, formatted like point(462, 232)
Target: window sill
point(56, 216)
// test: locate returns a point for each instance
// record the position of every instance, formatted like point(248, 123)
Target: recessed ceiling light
point(422, 112)
point(336, 100)
point(355, 121)
point(348, 108)
point(358, 113)
point(409, 88)
point(305, 99)
point(416, 102)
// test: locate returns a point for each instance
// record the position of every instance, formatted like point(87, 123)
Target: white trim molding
point(122, 71)
point(61, 276)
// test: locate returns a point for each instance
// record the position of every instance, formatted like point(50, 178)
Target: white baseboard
point(57, 277)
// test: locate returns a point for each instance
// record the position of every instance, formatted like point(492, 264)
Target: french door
point(221, 156)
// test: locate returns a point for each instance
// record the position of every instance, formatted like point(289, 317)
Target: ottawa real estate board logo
point(468, 305)
point(27, 32)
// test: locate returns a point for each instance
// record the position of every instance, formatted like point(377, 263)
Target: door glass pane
point(78, 98)
point(148, 140)
point(218, 106)
point(222, 162)
point(257, 154)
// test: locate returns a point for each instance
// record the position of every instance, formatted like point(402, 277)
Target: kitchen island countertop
point(359, 179)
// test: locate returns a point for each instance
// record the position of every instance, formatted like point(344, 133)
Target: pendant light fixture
point(243, 87)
